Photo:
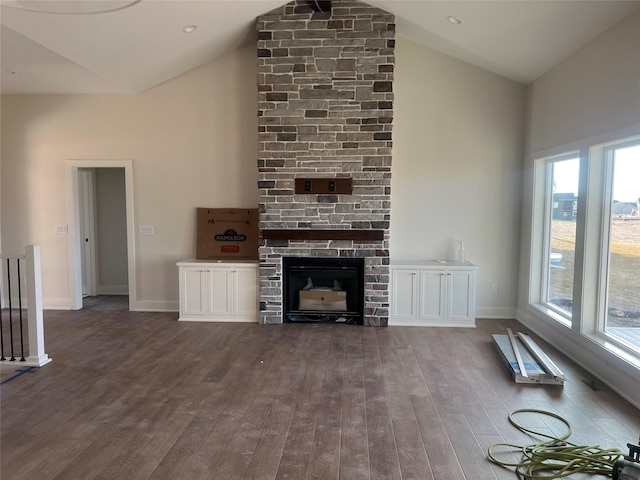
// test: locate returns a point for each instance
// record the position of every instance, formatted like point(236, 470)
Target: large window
point(560, 247)
point(622, 313)
point(586, 241)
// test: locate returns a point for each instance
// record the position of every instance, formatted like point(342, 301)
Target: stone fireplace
point(325, 108)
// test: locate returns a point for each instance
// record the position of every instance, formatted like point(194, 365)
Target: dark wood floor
point(143, 396)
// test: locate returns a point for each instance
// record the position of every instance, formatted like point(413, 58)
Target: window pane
point(561, 238)
point(623, 292)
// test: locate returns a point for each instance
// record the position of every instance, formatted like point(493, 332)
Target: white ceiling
point(138, 44)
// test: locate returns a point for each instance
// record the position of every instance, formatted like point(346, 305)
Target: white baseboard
point(155, 306)
point(113, 290)
point(505, 313)
point(140, 306)
point(56, 304)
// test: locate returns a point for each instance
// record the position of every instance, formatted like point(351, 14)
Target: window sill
point(552, 314)
point(609, 343)
point(599, 340)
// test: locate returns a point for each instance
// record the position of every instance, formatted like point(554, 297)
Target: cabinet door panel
point(193, 291)
point(246, 287)
point(220, 291)
point(403, 300)
point(460, 296)
point(432, 295)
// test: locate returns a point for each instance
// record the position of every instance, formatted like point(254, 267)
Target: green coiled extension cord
point(555, 458)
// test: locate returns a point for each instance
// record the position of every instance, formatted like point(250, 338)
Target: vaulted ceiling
point(129, 46)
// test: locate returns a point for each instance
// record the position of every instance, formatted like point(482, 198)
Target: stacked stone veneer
point(325, 108)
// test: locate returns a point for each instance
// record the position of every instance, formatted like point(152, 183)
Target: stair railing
point(18, 270)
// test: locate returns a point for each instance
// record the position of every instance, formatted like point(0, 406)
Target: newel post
point(37, 357)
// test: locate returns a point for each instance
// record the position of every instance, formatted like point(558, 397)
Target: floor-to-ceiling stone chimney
point(325, 108)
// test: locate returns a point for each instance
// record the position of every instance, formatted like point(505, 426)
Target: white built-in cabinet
point(224, 291)
point(433, 293)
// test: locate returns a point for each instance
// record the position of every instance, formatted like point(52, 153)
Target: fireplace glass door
point(323, 290)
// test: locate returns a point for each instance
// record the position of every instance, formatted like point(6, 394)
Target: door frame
point(73, 214)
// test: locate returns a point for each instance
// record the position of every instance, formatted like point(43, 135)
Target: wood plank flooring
point(133, 395)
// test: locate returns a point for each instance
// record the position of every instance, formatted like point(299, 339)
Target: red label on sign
point(230, 248)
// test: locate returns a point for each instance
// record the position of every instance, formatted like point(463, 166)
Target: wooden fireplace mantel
point(324, 234)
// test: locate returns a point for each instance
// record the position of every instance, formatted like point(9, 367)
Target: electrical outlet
point(494, 288)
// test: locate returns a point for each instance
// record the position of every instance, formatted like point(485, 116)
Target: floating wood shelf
point(291, 234)
point(337, 185)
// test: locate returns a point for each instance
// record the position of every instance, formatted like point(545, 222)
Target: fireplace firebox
point(329, 290)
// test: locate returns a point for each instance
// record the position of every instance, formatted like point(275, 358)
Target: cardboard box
point(324, 300)
point(227, 233)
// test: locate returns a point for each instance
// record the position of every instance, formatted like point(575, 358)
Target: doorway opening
point(101, 233)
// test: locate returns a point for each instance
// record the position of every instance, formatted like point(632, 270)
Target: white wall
point(193, 144)
point(594, 91)
point(458, 138)
point(590, 94)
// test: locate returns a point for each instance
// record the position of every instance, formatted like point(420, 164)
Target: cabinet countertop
point(432, 263)
point(230, 261)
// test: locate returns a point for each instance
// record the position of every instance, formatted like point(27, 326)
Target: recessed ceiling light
point(453, 19)
point(190, 28)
